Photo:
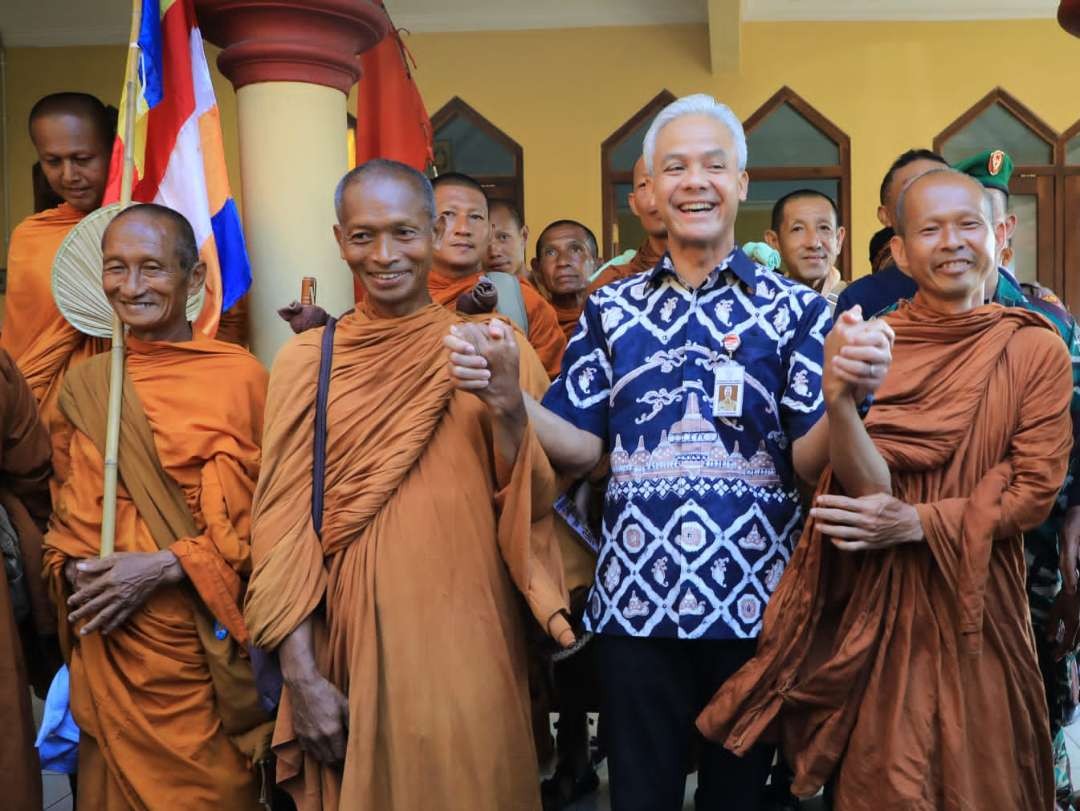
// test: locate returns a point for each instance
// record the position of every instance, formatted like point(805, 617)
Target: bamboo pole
point(116, 367)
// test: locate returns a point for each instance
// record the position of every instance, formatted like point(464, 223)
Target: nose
point(694, 177)
point(384, 251)
point(459, 224)
point(68, 171)
point(131, 283)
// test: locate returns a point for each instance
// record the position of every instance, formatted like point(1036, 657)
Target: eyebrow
point(719, 152)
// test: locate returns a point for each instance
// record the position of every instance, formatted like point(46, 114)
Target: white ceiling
point(95, 22)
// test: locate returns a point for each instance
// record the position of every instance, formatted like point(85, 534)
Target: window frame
point(457, 106)
point(1069, 211)
point(610, 177)
point(841, 172)
point(1041, 180)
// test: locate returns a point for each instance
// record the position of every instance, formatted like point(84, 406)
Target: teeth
point(696, 207)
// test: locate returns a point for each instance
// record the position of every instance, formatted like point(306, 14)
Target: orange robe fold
point(34, 333)
point(645, 259)
point(428, 544)
point(909, 674)
point(142, 695)
point(24, 496)
point(568, 318)
point(545, 334)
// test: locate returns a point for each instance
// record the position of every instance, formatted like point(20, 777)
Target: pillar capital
point(311, 41)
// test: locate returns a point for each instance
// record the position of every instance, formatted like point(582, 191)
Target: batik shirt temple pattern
point(701, 512)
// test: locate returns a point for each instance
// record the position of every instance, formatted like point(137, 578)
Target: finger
point(867, 353)
point(457, 344)
point(833, 515)
point(850, 546)
point(118, 618)
point(469, 361)
point(89, 588)
point(463, 374)
point(845, 532)
point(838, 501)
point(90, 607)
point(858, 369)
point(339, 742)
point(100, 620)
point(96, 565)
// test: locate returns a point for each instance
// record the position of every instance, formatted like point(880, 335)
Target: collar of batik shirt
point(742, 266)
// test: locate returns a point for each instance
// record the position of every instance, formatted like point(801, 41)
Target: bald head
point(643, 203)
point(382, 169)
point(937, 179)
point(180, 235)
point(79, 105)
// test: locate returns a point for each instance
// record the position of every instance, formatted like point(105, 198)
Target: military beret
point(992, 168)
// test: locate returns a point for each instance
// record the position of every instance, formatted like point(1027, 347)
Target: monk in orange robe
point(462, 208)
point(643, 204)
point(566, 255)
point(143, 692)
point(897, 655)
point(73, 135)
point(27, 619)
point(398, 625)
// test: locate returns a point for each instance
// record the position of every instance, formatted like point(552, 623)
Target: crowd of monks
point(363, 579)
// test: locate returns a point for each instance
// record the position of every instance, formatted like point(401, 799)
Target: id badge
point(728, 391)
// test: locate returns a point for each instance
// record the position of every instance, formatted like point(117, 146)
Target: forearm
point(856, 462)
point(508, 429)
point(297, 655)
point(810, 452)
point(571, 451)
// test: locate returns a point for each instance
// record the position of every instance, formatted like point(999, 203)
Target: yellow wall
point(559, 93)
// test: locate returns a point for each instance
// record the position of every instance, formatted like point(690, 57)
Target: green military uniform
point(993, 169)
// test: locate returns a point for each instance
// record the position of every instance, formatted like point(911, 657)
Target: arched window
point(467, 142)
point(618, 154)
point(793, 146)
point(1069, 219)
point(999, 121)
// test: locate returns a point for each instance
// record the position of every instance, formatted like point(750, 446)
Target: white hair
point(697, 104)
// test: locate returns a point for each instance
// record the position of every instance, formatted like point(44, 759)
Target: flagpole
point(116, 367)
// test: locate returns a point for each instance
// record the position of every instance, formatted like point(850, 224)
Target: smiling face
point(947, 241)
point(506, 251)
point(565, 260)
point(464, 243)
point(74, 157)
point(386, 238)
point(809, 239)
point(144, 280)
point(696, 181)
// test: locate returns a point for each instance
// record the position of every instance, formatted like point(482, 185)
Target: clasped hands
point(858, 354)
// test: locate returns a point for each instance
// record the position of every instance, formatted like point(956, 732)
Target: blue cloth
point(58, 738)
point(701, 513)
point(877, 291)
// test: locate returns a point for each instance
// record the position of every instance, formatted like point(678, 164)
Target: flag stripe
point(236, 272)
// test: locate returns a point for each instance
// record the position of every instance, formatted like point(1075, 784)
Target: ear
point(840, 234)
point(883, 216)
point(744, 185)
point(196, 278)
point(534, 263)
point(772, 239)
point(899, 254)
point(1001, 232)
point(339, 238)
point(524, 235)
point(440, 232)
point(632, 200)
point(1010, 225)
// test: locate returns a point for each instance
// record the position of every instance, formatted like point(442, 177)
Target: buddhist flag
point(179, 157)
point(391, 121)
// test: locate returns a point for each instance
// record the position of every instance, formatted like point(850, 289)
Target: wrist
point(511, 407)
point(915, 528)
point(171, 571)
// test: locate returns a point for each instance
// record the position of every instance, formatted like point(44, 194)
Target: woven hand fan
point(76, 277)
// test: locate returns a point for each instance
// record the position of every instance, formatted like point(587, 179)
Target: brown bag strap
point(84, 401)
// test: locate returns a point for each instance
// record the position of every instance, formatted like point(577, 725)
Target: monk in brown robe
point(566, 255)
point(897, 655)
point(509, 236)
point(27, 619)
point(462, 208)
point(398, 626)
point(73, 134)
point(142, 690)
point(643, 204)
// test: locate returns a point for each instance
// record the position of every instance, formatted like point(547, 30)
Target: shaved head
point(82, 105)
point(934, 176)
point(180, 230)
point(391, 170)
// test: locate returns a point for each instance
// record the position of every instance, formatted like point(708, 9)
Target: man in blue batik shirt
point(702, 381)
